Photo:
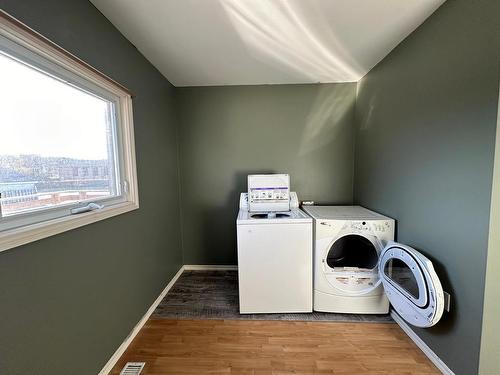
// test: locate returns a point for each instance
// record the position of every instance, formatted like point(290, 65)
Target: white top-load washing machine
point(358, 268)
point(274, 249)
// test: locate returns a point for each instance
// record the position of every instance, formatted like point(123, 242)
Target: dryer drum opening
point(352, 251)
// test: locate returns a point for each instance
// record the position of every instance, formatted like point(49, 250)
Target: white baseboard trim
point(128, 340)
point(422, 345)
point(210, 267)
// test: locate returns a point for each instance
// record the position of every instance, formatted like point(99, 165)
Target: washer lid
point(294, 216)
point(411, 284)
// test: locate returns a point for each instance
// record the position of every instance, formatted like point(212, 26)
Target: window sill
point(24, 235)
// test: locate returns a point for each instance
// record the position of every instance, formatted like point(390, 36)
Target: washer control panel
point(268, 192)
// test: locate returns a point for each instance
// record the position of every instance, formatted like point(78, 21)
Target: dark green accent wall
point(67, 302)
point(426, 120)
point(229, 132)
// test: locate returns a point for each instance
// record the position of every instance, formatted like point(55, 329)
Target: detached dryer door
point(411, 284)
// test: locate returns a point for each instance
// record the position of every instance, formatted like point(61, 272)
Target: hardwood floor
point(273, 347)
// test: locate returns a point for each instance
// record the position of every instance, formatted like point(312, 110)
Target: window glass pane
point(399, 272)
point(56, 141)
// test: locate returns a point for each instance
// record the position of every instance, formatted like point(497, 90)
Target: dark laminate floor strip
point(214, 295)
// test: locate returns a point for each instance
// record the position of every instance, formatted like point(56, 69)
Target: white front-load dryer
point(348, 241)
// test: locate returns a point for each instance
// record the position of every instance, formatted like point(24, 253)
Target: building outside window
point(66, 139)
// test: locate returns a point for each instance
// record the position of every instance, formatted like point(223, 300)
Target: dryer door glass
point(411, 285)
point(352, 250)
point(401, 273)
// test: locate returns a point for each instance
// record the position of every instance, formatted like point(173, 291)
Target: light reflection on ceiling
point(275, 32)
point(241, 42)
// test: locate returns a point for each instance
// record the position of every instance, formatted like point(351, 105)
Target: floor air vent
point(132, 368)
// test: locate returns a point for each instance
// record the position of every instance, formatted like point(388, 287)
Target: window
point(66, 140)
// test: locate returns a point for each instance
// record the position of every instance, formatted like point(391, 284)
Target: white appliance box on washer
point(268, 192)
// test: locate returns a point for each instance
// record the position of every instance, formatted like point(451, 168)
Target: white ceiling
point(243, 42)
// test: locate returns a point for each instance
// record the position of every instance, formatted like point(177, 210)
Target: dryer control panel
point(268, 192)
point(370, 225)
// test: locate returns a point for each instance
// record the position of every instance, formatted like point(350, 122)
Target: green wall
point(229, 132)
point(67, 302)
point(426, 119)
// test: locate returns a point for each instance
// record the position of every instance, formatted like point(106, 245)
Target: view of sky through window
point(55, 141)
point(42, 116)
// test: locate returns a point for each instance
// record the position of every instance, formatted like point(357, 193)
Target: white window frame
point(22, 42)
